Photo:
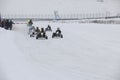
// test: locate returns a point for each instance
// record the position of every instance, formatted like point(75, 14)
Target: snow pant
point(30, 30)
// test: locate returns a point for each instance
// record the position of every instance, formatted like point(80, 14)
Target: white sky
point(63, 6)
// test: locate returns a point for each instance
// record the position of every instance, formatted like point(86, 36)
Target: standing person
point(10, 24)
point(7, 24)
point(30, 23)
point(3, 23)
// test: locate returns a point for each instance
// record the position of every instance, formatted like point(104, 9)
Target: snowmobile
point(57, 34)
point(41, 35)
point(32, 31)
point(32, 34)
point(48, 28)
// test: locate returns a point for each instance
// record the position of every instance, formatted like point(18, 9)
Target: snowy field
point(87, 52)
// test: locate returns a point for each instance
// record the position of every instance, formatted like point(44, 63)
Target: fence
point(81, 17)
point(61, 16)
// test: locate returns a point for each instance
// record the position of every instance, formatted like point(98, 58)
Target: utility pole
point(57, 17)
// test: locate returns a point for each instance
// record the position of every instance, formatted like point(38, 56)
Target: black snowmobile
point(32, 34)
point(42, 34)
point(57, 34)
point(48, 28)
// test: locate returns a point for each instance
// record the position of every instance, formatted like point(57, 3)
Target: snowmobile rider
point(42, 31)
point(58, 31)
point(49, 27)
point(37, 30)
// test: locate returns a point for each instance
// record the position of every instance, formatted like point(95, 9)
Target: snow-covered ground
point(87, 52)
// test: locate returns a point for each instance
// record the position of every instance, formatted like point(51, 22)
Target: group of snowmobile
point(41, 33)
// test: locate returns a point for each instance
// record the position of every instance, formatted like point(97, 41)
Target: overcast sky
point(63, 6)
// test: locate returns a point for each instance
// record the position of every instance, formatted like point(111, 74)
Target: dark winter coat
point(30, 23)
point(37, 30)
point(7, 24)
point(10, 24)
point(58, 31)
